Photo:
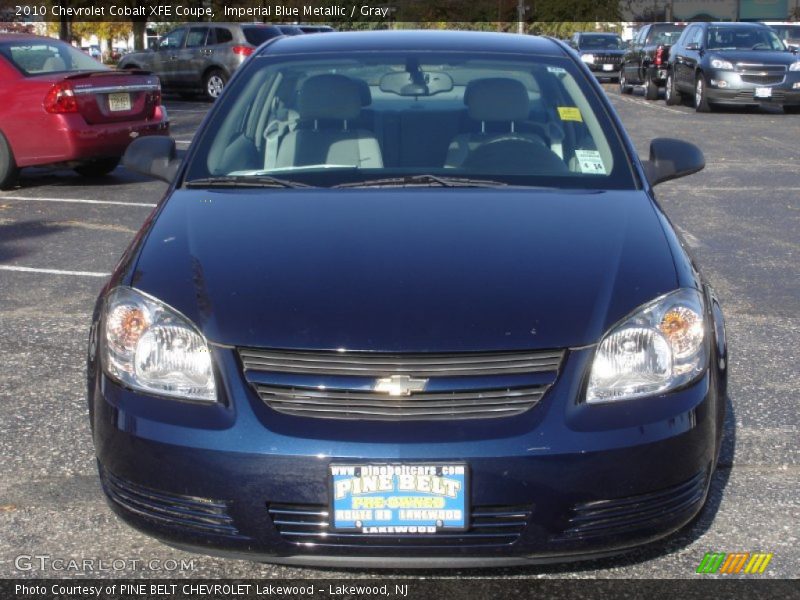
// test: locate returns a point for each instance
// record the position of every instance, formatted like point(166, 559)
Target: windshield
point(743, 38)
point(600, 42)
point(39, 58)
point(787, 32)
point(325, 121)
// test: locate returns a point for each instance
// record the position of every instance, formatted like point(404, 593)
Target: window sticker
point(570, 113)
point(556, 70)
point(589, 161)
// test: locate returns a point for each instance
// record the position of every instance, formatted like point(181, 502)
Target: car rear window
point(259, 35)
point(39, 58)
point(329, 120)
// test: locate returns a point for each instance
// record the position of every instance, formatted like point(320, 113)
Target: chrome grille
point(762, 79)
point(607, 58)
point(761, 74)
point(310, 524)
point(374, 364)
point(198, 515)
point(333, 404)
point(602, 518)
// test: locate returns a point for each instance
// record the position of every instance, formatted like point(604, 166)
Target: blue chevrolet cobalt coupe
point(409, 300)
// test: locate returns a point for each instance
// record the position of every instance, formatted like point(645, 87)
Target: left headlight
point(151, 347)
point(795, 66)
point(660, 347)
point(587, 58)
point(722, 64)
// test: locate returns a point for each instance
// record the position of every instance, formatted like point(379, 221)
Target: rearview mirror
point(416, 83)
point(671, 159)
point(153, 156)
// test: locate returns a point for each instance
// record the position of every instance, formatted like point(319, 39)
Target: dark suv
point(202, 57)
point(601, 52)
point(647, 60)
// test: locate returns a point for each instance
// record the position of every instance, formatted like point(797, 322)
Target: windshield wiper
point(423, 181)
point(245, 181)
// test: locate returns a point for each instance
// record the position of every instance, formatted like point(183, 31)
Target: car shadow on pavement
point(12, 234)
point(33, 178)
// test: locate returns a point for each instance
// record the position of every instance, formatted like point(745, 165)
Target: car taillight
point(659, 55)
point(243, 50)
point(60, 99)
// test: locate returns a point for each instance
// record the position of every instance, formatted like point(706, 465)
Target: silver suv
point(202, 57)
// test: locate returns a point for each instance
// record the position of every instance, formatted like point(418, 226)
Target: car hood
point(405, 270)
point(758, 57)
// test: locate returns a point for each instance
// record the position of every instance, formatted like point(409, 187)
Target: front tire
point(8, 166)
point(650, 89)
point(671, 95)
point(98, 168)
point(624, 88)
point(701, 103)
point(213, 84)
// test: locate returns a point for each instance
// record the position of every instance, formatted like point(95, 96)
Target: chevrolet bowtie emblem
point(399, 385)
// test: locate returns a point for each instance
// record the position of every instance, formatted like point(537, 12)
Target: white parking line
point(650, 105)
point(52, 271)
point(75, 200)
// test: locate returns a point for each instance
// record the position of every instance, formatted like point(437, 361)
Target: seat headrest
point(329, 97)
point(497, 99)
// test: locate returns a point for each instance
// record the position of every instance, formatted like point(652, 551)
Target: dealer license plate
point(416, 498)
point(119, 102)
point(608, 67)
point(763, 92)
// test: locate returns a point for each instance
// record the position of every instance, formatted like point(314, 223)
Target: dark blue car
point(408, 301)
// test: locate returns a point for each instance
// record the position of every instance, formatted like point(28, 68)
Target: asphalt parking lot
point(61, 235)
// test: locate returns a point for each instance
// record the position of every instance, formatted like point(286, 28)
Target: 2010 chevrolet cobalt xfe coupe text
point(408, 301)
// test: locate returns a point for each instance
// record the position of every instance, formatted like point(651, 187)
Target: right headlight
point(722, 64)
point(660, 347)
point(151, 347)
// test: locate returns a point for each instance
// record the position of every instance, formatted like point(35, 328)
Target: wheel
point(98, 168)
point(650, 89)
point(793, 109)
point(671, 95)
point(700, 101)
point(624, 88)
point(214, 83)
point(8, 167)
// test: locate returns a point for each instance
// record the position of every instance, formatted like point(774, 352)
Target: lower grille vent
point(310, 525)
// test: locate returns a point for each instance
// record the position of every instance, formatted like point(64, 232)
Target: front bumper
point(727, 87)
point(563, 481)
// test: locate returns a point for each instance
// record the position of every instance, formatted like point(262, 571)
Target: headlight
point(588, 58)
point(151, 347)
point(722, 64)
point(657, 349)
point(795, 66)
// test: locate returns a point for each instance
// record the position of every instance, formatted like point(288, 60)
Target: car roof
point(736, 25)
point(18, 37)
point(454, 41)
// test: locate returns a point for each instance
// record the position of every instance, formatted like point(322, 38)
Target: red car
point(61, 107)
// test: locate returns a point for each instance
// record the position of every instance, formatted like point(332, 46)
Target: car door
point(639, 56)
point(681, 58)
point(633, 56)
point(165, 57)
point(193, 58)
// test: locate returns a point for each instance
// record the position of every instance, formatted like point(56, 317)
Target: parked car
point(602, 52)
point(733, 63)
point(646, 61)
point(789, 33)
point(201, 57)
point(408, 300)
point(68, 109)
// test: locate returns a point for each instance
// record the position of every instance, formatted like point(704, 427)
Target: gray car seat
point(504, 102)
point(326, 107)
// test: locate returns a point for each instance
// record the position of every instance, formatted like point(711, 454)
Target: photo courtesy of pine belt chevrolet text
point(409, 301)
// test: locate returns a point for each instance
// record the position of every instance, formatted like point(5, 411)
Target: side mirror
point(694, 47)
point(671, 159)
point(153, 156)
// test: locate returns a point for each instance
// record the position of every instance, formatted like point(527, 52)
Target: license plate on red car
point(399, 498)
point(119, 102)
